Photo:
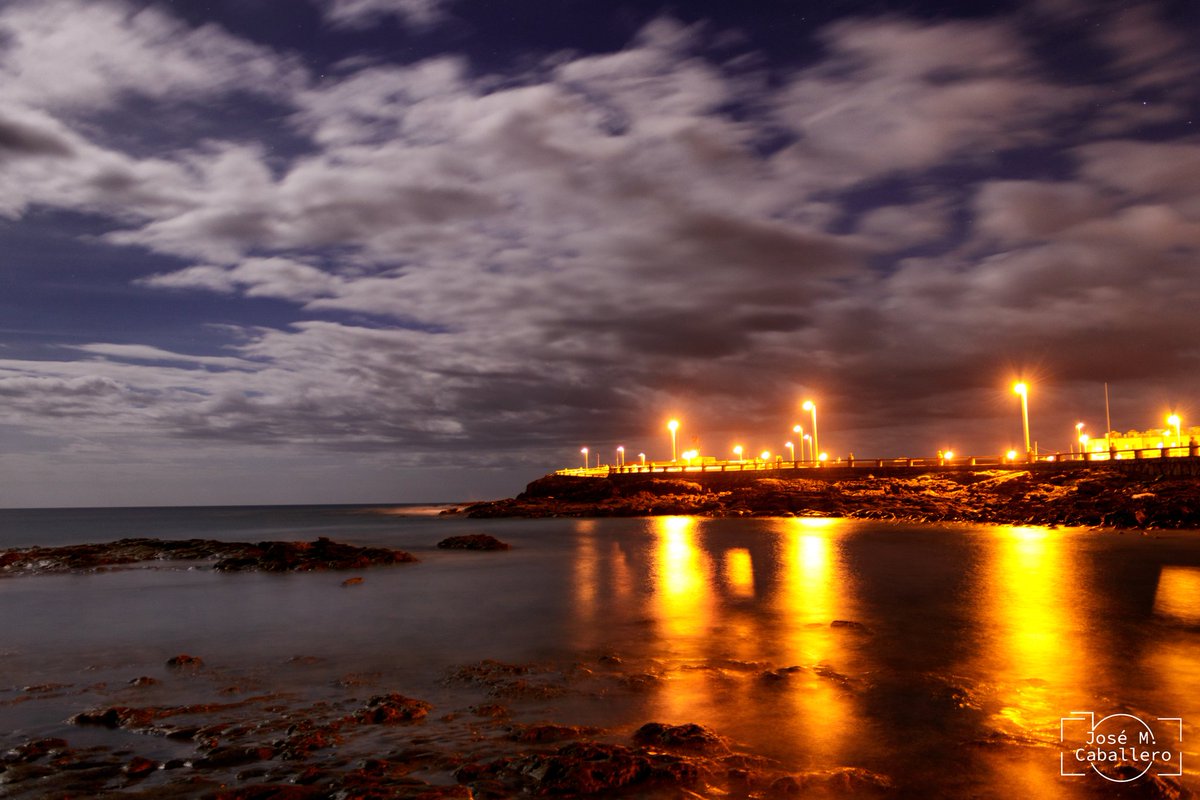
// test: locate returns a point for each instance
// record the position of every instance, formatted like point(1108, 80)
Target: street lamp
point(642, 456)
point(737, 451)
point(1173, 421)
point(1078, 431)
point(621, 455)
point(799, 431)
point(1023, 390)
point(791, 447)
point(809, 405)
point(766, 455)
point(673, 426)
point(1083, 442)
point(585, 457)
point(811, 452)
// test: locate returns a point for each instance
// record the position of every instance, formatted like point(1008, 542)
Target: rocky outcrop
point(1098, 497)
point(473, 541)
point(322, 554)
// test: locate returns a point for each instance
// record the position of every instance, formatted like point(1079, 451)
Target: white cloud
point(61, 54)
point(364, 13)
point(572, 249)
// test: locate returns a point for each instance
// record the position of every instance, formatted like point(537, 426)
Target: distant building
point(1145, 440)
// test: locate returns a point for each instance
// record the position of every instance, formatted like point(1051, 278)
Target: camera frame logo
point(1120, 748)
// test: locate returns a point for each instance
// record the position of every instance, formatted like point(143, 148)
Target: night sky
point(294, 251)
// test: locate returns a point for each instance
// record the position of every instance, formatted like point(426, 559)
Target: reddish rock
point(546, 734)
point(139, 767)
point(117, 717)
point(391, 709)
point(184, 661)
point(355, 581)
point(270, 791)
point(688, 736)
point(32, 751)
point(144, 680)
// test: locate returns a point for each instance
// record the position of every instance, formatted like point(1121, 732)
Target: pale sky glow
point(403, 250)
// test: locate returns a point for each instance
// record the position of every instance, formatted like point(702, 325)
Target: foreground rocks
point(322, 554)
point(1095, 497)
point(377, 742)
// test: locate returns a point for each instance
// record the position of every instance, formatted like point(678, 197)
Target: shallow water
point(968, 647)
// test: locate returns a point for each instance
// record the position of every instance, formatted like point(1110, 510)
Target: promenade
point(1178, 461)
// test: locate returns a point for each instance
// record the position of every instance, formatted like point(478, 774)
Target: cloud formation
point(488, 267)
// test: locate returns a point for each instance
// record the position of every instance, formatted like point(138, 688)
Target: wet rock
point(391, 709)
point(29, 752)
point(474, 541)
point(847, 781)
point(355, 581)
point(689, 736)
point(780, 674)
point(226, 556)
point(116, 717)
point(45, 688)
point(268, 791)
point(185, 661)
point(546, 734)
point(489, 710)
point(849, 625)
point(233, 756)
point(584, 768)
point(144, 680)
point(307, 556)
point(139, 767)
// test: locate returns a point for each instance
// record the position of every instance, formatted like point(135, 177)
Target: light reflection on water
point(968, 643)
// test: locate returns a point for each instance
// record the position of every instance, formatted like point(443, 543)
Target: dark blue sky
point(372, 250)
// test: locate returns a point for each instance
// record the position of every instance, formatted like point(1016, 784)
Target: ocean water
point(954, 660)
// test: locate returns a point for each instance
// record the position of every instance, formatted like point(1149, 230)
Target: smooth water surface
point(963, 647)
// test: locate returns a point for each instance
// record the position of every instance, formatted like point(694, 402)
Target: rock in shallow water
point(474, 541)
point(322, 554)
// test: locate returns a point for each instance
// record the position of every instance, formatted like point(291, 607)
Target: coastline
point(1097, 498)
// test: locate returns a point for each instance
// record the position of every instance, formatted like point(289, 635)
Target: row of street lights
point(673, 427)
point(1020, 388)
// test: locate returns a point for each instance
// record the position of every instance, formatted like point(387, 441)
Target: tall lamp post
point(642, 457)
point(1023, 390)
point(799, 431)
point(811, 452)
point(792, 448)
point(673, 426)
point(1078, 435)
point(621, 455)
point(584, 450)
point(1173, 421)
point(737, 451)
point(809, 405)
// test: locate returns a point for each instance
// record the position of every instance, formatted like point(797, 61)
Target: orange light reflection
point(1038, 651)
point(814, 590)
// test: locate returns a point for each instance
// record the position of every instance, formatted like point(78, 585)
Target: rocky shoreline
point(1098, 497)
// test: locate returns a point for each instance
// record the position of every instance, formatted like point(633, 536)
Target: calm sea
point(969, 645)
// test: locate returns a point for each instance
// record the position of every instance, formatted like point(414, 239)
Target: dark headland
point(1116, 495)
